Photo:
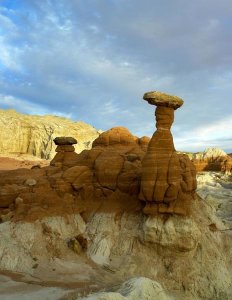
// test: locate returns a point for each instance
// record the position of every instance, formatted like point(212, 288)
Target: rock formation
point(118, 172)
point(168, 180)
point(216, 190)
point(213, 159)
point(34, 134)
point(107, 177)
point(79, 223)
point(66, 156)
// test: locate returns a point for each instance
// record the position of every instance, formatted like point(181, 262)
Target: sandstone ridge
point(213, 159)
point(34, 134)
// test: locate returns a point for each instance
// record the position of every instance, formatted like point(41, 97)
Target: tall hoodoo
point(168, 180)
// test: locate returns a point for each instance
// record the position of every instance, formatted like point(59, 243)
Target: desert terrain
point(126, 218)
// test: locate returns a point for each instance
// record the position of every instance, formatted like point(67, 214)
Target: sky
point(92, 60)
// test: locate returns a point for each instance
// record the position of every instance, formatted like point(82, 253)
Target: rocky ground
point(19, 160)
point(216, 189)
point(131, 256)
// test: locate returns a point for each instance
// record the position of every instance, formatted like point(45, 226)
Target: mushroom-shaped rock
point(66, 155)
point(162, 99)
point(168, 179)
point(62, 140)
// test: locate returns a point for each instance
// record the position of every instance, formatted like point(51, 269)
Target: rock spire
point(168, 181)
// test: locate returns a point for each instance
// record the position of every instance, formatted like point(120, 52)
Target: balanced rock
point(162, 99)
point(66, 155)
point(62, 140)
point(168, 181)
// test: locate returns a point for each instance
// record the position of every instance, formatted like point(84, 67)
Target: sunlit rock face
point(107, 177)
point(121, 172)
point(65, 150)
point(79, 223)
point(168, 181)
point(213, 159)
point(34, 134)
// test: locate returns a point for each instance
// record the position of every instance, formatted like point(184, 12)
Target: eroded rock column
point(168, 180)
point(66, 155)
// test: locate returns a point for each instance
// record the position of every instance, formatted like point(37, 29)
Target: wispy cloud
point(217, 133)
point(93, 60)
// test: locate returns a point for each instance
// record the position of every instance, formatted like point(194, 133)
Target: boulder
point(63, 140)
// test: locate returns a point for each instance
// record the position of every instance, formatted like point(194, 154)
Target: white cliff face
point(131, 256)
point(34, 134)
point(210, 153)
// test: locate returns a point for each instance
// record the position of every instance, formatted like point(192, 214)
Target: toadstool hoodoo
point(168, 180)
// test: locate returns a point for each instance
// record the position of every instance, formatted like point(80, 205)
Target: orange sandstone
point(168, 180)
point(120, 173)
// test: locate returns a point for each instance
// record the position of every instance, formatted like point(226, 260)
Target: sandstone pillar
point(168, 180)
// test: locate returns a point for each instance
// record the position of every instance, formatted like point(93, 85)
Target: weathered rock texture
point(87, 229)
point(213, 159)
point(186, 256)
point(34, 134)
point(168, 180)
point(140, 288)
point(66, 155)
point(105, 178)
point(216, 189)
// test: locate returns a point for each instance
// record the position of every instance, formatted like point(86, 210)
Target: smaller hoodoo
point(66, 155)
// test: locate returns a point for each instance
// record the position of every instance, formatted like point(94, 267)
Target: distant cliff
point(212, 159)
point(34, 135)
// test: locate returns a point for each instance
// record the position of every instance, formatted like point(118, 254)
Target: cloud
point(212, 135)
point(20, 105)
point(93, 60)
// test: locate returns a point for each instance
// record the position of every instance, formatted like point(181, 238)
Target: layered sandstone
point(34, 134)
point(118, 172)
point(65, 150)
point(107, 177)
point(168, 180)
point(79, 223)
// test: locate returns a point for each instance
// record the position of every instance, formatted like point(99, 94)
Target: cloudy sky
point(92, 60)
